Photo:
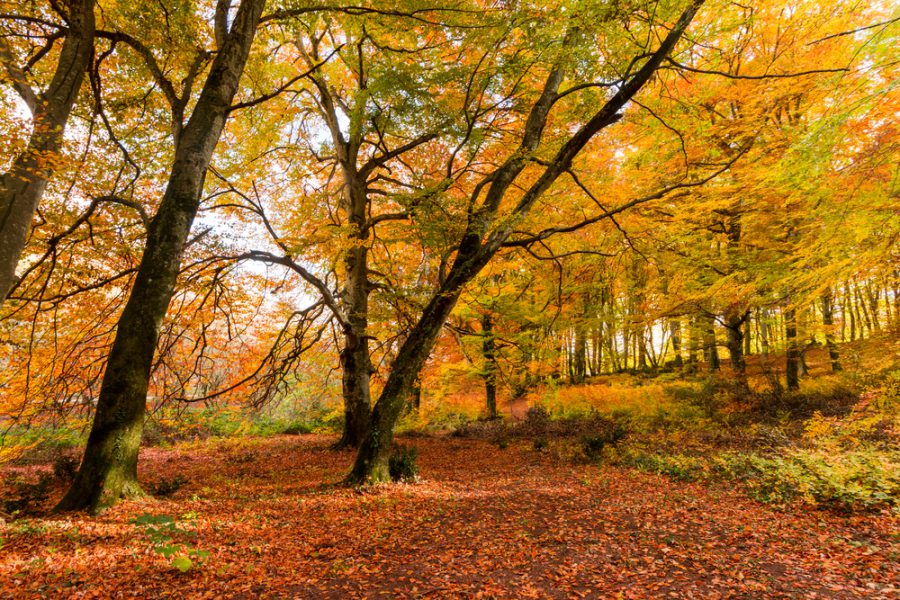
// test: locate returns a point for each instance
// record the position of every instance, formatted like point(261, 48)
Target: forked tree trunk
point(22, 186)
point(109, 468)
point(372, 458)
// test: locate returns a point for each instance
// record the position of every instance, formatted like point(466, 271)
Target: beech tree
point(24, 182)
point(489, 227)
point(108, 470)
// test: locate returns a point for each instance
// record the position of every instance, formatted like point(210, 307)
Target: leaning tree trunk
point(22, 186)
point(109, 468)
point(484, 237)
point(372, 458)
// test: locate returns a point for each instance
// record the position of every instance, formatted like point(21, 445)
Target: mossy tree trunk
point(489, 372)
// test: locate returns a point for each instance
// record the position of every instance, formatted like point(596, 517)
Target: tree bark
point(792, 357)
point(109, 468)
point(734, 323)
point(748, 346)
point(23, 185)
point(579, 366)
point(828, 321)
point(675, 337)
point(356, 362)
point(693, 341)
point(710, 345)
point(873, 295)
point(489, 349)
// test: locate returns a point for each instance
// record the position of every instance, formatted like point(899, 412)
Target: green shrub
point(676, 466)
point(540, 443)
point(861, 479)
point(402, 463)
point(537, 416)
point(592, 445)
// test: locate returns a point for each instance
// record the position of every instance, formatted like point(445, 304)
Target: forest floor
point(483, 522)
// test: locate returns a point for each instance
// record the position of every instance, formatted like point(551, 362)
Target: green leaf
point(182, 563)
point(166, 551)
point(148, 519)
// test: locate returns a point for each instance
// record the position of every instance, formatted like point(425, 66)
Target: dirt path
point(486, 523)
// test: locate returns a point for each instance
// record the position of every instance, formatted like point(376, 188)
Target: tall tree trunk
point(828, 321)
point(763, 324)
point(356, 362)
point(792, 366)
point(579, 366)
point(843, 305)
point(109, 467)
point(22, 186)
point(489, 350)
point(675, 337)
point(848, 311)
point(748, 327)
point(710, 345)
point(734, 323)
point(861, 304)
point(693, 341)
point(873, 294)
point(641, 342)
